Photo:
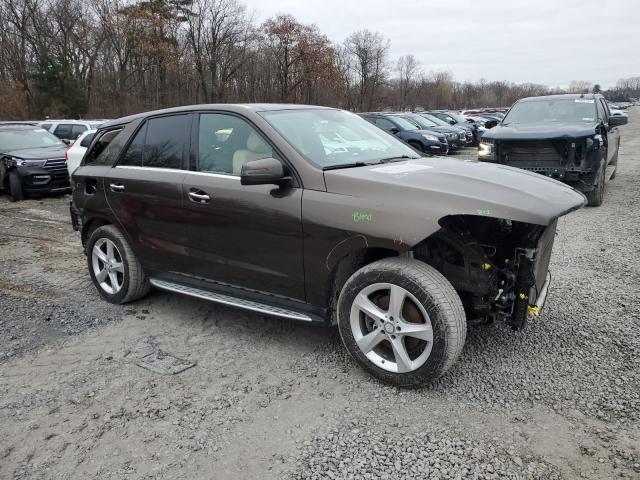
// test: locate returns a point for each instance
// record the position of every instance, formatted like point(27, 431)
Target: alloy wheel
point(108, 267)
point(391, 327)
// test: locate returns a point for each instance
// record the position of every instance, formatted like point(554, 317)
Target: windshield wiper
point(347, 165)
point(397, 159)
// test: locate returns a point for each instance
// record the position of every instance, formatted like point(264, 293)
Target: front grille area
point(57, 167)
point(531, 153)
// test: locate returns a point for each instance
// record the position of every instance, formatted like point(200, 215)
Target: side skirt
point(238, 302)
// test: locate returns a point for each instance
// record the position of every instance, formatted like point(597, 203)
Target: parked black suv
point(32, 161)
point(426, 141)
point(314, 214)
point(572, 138)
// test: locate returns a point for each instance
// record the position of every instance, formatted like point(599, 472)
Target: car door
point(613, 132)
point(247, 236)
point(144, 191)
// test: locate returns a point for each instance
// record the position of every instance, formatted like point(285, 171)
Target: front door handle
point(199, 196)
point(116, 187)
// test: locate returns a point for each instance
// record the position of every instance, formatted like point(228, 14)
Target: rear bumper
point(76, 218)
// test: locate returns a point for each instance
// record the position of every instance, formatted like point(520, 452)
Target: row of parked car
point(38, 157)
point(437, 132)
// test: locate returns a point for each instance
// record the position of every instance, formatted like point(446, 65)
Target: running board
point(230, 301)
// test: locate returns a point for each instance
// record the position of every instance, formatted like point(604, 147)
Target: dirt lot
point(272, 399)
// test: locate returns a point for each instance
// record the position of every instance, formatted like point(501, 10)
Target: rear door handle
point(199, 196)
point(116, 187)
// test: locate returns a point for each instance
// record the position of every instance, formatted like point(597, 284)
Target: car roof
point(564, 96)
point(18, 126)
point(229, 107)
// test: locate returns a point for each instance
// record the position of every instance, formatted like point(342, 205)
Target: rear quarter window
point(86, 141)
point(106, 148)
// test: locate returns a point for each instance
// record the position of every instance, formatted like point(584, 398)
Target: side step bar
point(231, 301)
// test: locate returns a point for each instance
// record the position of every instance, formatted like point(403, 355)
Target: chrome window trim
point(161, 169)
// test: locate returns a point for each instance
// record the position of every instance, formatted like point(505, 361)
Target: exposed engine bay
point(498, 267)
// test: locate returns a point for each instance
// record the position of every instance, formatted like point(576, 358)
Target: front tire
point(596, 196)
point(417, 146)
point(402, 321)
point(114, 268)
point(16, 192)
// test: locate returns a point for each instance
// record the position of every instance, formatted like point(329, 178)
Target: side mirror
point(490, 124)
point(265, 171)
point(394, 130)
point(452, 122)
point(618, 120)
point(66, 141)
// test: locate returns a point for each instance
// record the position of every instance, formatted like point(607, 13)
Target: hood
point(546, 131)
point(444, 129)
point(428, 132)
point(431, 188)
point(42, 153)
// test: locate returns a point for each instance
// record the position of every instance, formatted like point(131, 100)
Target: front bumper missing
point(542, 297)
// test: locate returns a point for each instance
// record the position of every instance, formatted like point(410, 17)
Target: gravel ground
point(274, 399)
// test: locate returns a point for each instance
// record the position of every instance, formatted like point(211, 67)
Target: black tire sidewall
point(416, 146)
point(105, 232)
point(16, 191)
point(432, 368)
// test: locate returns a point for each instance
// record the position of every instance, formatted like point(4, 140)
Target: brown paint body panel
point(286, 241)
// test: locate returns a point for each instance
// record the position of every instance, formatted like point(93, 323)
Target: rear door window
point(64, 130)
point(77, 130)
point(133, 154)
point(166, 141)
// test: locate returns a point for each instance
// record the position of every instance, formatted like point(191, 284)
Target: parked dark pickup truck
point(572, 138)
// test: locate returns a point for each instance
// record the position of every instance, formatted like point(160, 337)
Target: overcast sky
point(546, 41)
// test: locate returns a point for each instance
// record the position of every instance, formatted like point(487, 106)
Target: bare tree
point(369, 52)
point(408, 69)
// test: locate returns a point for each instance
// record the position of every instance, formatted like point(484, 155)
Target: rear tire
point(596, 196)
point(114, 268)
point(415, 325)
point(16, 192)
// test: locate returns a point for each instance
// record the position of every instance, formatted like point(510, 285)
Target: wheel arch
point(347, 265)
point(90, 225)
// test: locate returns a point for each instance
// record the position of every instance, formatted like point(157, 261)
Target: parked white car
point(76, 151)
point(69, 129)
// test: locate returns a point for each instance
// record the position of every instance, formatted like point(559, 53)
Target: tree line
point(109, 58)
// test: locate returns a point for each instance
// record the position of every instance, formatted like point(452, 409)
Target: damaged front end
point(498, 267)
point(571, 160)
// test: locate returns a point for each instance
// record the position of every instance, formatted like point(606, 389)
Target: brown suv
point(313, 214)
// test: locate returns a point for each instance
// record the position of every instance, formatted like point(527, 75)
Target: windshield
point(553, 110)
point(330, 138)
point(436, 120)
point(422, 122)
point(23, 139)
point(405, 124)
